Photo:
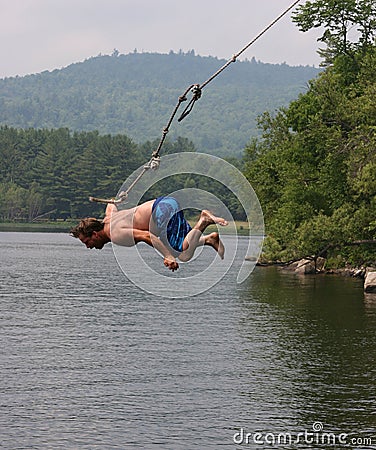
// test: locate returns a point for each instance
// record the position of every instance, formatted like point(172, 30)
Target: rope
point(196, 90)
point(236, 56)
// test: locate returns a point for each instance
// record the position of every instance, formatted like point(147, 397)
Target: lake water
point(90, 361)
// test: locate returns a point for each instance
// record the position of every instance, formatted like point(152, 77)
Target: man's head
point(90, 232)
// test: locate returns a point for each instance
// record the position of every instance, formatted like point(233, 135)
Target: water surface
point(88, 360)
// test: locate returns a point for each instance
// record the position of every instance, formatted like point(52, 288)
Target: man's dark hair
point(86, 227)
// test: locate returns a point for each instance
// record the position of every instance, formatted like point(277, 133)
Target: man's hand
point(131, 236)
point(170, 262)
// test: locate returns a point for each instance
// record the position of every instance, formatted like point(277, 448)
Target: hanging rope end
point(113, 201)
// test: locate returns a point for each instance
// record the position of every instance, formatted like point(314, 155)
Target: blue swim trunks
point(170, 221)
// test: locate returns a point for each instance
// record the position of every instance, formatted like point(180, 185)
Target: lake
point(91, 361)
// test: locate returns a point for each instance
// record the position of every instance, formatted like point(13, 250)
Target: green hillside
point(134, 94)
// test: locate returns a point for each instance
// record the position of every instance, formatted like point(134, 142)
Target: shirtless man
point(159, 223)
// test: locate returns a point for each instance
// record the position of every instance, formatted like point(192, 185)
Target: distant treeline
point(51, 173)
point(134, 94)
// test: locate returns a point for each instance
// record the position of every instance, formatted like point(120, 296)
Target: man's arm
point(130, 236)
point(152, 240)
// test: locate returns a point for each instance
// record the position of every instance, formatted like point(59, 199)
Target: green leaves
point(349, 26)
point(314, 170)
point(55, 171)
point(135, 95)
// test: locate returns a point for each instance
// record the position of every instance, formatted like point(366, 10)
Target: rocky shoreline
point(317, 266)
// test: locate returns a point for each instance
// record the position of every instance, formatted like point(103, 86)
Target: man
point(159, 223)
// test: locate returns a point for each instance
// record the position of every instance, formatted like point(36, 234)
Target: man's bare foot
point(209, 218)
point(213, 240)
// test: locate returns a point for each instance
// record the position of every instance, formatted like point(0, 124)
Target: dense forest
point(52, 173)
point(135, 94)
point(314, 169)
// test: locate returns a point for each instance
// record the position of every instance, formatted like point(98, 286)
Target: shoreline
point(33, 227)
point(306, 267)
point(302, 267)
point(63, 226)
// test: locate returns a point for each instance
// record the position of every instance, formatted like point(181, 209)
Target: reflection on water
point(319, 347)
point(90, 361)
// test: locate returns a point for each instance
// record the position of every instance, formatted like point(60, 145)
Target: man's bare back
point(138, 217)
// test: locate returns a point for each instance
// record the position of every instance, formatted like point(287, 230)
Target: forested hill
point(135, 94)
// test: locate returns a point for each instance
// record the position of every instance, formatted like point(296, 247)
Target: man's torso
point(138, 218)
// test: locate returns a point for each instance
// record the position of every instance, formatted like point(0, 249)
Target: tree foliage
point(314, 169)
point(51, 173)
point(135, 95)
point(349, 25)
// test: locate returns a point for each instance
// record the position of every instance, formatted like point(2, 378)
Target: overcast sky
point(38, 35)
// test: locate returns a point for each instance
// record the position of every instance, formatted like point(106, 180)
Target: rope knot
point(196, 91)
point(153, 163)
point(121, 197)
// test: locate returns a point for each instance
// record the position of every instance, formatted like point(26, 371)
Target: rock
point(370, 282)
point(250, 258)
point(292, 266)
point(305, 266)
point(308, 266)
point(320, 264)
point(347, 272)
point(358, 273)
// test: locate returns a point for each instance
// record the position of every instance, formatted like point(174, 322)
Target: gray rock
point(370, 282)
point(305, 266)
point(308, 266)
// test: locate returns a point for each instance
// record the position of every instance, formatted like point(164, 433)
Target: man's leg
point(196, 239)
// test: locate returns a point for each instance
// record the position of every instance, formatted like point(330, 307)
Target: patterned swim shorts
point(170, 221)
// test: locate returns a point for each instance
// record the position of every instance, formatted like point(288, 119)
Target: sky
point(39, 35)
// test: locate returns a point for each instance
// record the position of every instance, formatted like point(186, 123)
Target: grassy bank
point(38, 227)
point(242, 228)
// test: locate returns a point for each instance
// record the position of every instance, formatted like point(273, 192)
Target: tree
point(12, 201)
point(34, 202)
point(314, 168)
point(339, 18)
point(135, 94)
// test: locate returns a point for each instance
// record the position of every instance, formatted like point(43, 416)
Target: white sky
point(38, 35)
